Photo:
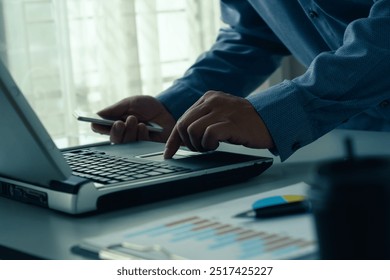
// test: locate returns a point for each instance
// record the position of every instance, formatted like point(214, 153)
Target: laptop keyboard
point(107, 169)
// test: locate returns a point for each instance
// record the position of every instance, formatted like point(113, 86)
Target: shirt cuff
point(283, 113)
point(178, 98)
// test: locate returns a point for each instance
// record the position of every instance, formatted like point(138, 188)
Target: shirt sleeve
point(242, 58)
point(337, 86)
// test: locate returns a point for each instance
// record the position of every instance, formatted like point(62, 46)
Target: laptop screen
point(27, 153)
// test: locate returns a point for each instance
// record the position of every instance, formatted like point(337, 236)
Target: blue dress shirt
point(345, 45)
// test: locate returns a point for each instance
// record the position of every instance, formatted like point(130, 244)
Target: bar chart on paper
point(219, 239)
point(214, 233)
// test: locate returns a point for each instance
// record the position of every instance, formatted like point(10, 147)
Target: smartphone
point(94, 118)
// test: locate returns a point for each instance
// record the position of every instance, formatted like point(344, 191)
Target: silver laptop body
point(33, 170)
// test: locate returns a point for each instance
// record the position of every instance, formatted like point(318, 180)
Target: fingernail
point(167, 154)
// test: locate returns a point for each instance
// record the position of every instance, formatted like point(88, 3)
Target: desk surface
point(47, 234)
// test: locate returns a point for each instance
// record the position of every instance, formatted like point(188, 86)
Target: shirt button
point(384, 104)
point(313, 14)
point(296, 146)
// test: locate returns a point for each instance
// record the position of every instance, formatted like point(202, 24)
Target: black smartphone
point(94, 118)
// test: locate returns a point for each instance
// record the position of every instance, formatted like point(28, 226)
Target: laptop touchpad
point(159, 156)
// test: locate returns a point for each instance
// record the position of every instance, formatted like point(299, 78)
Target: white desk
point(48, 234)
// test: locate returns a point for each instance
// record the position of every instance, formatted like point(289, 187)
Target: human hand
point(131, 114)
point(218, 117)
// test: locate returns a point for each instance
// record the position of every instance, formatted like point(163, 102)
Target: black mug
point(351, 208)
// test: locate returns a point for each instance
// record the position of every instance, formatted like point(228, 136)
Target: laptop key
point(164, 170)
point(140, 176)
point(153, 173)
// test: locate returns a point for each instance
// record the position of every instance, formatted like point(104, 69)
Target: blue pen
point(277, 206)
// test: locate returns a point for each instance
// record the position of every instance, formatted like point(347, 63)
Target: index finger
point(173, 144)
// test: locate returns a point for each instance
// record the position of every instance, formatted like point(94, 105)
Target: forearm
point(242, 58)
point(337, 86)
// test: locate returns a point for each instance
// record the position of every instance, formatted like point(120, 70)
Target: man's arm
point(337, 86)
point(242, 58)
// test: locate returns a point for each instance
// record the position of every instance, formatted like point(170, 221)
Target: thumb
point(115, 111)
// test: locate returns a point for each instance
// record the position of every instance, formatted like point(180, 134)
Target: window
point(86, 54)
point(69, 55)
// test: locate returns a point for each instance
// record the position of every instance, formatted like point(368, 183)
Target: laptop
point(101, 176)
